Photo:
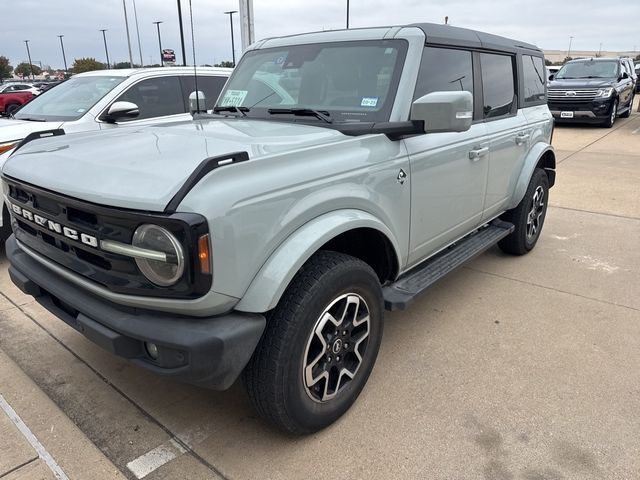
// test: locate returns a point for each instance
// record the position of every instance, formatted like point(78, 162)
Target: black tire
point(627, 112)
point(608, 123)
point(11, 108)
point(522, 240)
point(5, 230)
point(274, 377)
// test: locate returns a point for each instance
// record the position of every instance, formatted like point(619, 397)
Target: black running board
point(400, 294)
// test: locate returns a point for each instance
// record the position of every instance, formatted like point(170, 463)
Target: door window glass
point(155, 97)
point(443, 70)
point(497, 84)
point(534, 81)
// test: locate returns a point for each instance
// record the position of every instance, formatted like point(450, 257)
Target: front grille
point(116, 272)
point(568, 94)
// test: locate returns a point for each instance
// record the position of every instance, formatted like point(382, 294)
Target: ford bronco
point(341, 174)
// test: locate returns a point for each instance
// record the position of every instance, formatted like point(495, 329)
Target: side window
point(534, 79)
point(497, 84)
point(155, 97)
point(211, 87)
point(444, 69)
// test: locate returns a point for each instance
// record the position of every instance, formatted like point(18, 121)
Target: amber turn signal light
point(204, 254)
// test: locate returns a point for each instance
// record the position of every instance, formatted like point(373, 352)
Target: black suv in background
point(594, 90)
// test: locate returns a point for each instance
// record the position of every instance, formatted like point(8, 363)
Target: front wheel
point(320, 344)
point(608, 123)
point(528, 217)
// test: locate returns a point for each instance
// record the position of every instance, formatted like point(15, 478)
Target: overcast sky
point(546, 23)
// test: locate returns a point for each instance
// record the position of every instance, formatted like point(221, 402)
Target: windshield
point(589, 69)
point(68, 101)
point(348, 81)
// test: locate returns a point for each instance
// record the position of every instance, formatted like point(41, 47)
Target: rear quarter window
point(533, 77)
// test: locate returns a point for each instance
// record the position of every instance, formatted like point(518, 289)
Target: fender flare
point(530, 163)
point(274, 277)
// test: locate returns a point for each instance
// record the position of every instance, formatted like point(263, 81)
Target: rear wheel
point(528, 217)
point(320, 344)
point(627, 112)
point(11, 108)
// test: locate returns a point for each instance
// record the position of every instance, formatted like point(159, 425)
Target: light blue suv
point(342, 173)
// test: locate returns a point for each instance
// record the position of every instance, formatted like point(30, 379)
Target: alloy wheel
point(537, 209)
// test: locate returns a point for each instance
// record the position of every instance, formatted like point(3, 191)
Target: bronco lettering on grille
point(56, 227)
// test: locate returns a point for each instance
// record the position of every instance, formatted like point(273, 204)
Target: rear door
point(447, 185)
point(507, 129)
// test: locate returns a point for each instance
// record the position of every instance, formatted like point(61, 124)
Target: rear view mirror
point(120, 110)
point(197, 102)
point(444, 111)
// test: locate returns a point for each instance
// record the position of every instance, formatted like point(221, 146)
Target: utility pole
point(600, 50)
point(126, 26)
point(106, 50)
point(246, 23)
point(233, 46)
point(157, 24)
point(26, 42)
point(347, 14)
point(184, 54)
point(64, 57)
point(135, 15)
point(569, 51)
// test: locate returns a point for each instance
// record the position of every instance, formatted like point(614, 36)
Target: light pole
point(64, 57)
point(135, 15)
point(569, 52)
point(157, 24)
point(347, 14)
point(126, 26)
point(184, 54)
point(26, 42)
point(233, 45)
point(106, 50)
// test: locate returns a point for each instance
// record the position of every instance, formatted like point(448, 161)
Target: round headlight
point(158, 239)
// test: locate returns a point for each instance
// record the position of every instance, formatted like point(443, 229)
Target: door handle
point(522, 138)
point(478, 153)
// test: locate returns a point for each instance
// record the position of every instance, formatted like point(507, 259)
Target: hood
point(144, 168)
point(579, 83)
point(11, 129)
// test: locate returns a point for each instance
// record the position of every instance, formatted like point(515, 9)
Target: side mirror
point(552, 76)
point(625, 75)
point(444, 111)
point(197, 102)
point(119, 110)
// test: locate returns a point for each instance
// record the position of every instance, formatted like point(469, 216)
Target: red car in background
point(11, 101)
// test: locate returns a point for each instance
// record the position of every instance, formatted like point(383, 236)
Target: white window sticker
point(369, 101)
point(233, 98)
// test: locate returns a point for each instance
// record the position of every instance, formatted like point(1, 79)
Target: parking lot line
point(31, 438)
point(154, 459)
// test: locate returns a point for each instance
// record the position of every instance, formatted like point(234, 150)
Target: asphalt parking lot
point(511, 368)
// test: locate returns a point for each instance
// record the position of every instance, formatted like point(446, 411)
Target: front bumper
point(596, 111)
point(210, 352)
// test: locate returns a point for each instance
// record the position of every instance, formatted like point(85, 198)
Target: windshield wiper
point(240, 110)
point(30, 119)
point(304, 112)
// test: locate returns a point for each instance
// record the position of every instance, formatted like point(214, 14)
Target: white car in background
point(19, 87)
point(106, 99)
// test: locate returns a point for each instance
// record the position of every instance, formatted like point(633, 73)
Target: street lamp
point(26, 42)
point(106, 50)
point(347, 14)
point(184, 54)
point(569, 52)
point(135, 15)
point(233, 46)
point(64, 57)
point(157, 24)
point(126, 26)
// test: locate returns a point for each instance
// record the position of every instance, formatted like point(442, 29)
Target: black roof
point(464, 37)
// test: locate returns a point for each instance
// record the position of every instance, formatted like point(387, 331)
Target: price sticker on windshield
point(233, 98)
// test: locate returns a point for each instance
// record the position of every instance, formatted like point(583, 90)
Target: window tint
point(534, 79)
point(209, 85)
point(155, 97)
point(497, 84)
point(444, 69)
